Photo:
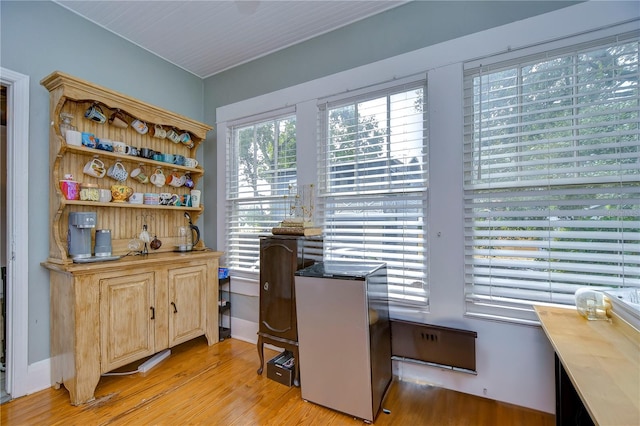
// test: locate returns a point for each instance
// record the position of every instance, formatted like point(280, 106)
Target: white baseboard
point(38, 378)
point(244, 330)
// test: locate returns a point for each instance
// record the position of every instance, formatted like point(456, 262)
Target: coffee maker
point(79, 236)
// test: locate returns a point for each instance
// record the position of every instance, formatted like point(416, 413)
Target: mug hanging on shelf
point(158, 178)
point(94, 168)
point(140, 126)
point(139, 175)
point(185, 138)
point(173, 136)
point(118, 172)
point(94, 113)
point(159, 132)
point(117, 119)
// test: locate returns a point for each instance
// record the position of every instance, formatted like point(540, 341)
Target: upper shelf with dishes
point(142, 158)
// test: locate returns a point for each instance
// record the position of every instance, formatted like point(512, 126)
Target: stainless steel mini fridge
point(344, 336)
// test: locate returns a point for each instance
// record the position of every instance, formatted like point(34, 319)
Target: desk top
point(602, 359)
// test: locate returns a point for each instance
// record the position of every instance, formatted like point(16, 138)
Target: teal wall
point(38, 37)
point(402, 29)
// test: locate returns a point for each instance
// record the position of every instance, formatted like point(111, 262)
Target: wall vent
point(434, 345)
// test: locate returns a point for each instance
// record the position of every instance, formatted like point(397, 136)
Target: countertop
point(133, 261)
point(602, 360)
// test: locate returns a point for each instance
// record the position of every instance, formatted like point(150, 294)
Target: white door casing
point(17, 230)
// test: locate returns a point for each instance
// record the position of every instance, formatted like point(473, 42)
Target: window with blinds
point(372, 191)
point(551, 178)
point(261, 172)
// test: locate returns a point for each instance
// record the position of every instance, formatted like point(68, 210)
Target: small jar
point(66, 123)
point(89, 192)
point(592, 304)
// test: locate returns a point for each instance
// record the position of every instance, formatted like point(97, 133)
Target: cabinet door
point(126, 319)
point(278, 262)
point(187, 303)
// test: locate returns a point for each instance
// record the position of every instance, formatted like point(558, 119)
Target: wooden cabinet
point(278, 263)
point(128, 313)
point(280, 258)
point(105, 315)
point(126, 323)
point(187, 307)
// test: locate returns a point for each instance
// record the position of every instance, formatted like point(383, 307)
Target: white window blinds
point(261, 168)
point(552, 178)
point(373, 186)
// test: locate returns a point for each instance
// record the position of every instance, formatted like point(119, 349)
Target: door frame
point(17, 231)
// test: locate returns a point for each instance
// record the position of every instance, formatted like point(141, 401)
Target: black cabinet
point(224, 308)
point(280, 258)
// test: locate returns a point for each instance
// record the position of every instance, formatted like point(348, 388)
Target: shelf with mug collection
point(195, 170)
point(115, 186)
point(134, 140)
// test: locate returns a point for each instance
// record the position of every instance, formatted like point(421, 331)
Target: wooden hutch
point(108, 314)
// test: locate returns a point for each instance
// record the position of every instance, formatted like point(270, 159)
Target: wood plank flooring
point(218, 385)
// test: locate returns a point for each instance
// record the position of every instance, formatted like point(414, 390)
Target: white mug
point(136, 198)
point(175, 180)
point(158, 178)
point(120, 147)
point(105, 195)
point(195, 198)
point(139, 175)
point(173, 136)
point(159, 132)
point(95, 168)
point(140, 126)
point(190, 162)
point(73, 137)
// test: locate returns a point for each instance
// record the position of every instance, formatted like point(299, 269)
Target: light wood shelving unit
point(105, 315)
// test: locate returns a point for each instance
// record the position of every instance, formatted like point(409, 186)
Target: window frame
point(242, 249)
point(406, 302)
point(520, 309)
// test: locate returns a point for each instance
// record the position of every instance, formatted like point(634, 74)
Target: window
point(552, 178)
point(373, 186)
point(261, 168)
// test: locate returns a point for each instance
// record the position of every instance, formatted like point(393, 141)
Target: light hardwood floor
point(218, 385)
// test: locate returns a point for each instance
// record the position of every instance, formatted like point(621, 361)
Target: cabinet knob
point(266, 286)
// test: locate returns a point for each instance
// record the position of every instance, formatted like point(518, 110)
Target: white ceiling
point(209, 36)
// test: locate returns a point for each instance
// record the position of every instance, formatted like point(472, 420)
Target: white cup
point(195, 198)
point(105, 195)
point(95, 168)
point(139, 175)
point(140, 126)
point(190, 162)
point(158, 178)
point(120, 147)
point(73, 137)
point(136, 198)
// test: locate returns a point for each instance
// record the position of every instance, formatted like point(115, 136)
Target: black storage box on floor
point(281, 368)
